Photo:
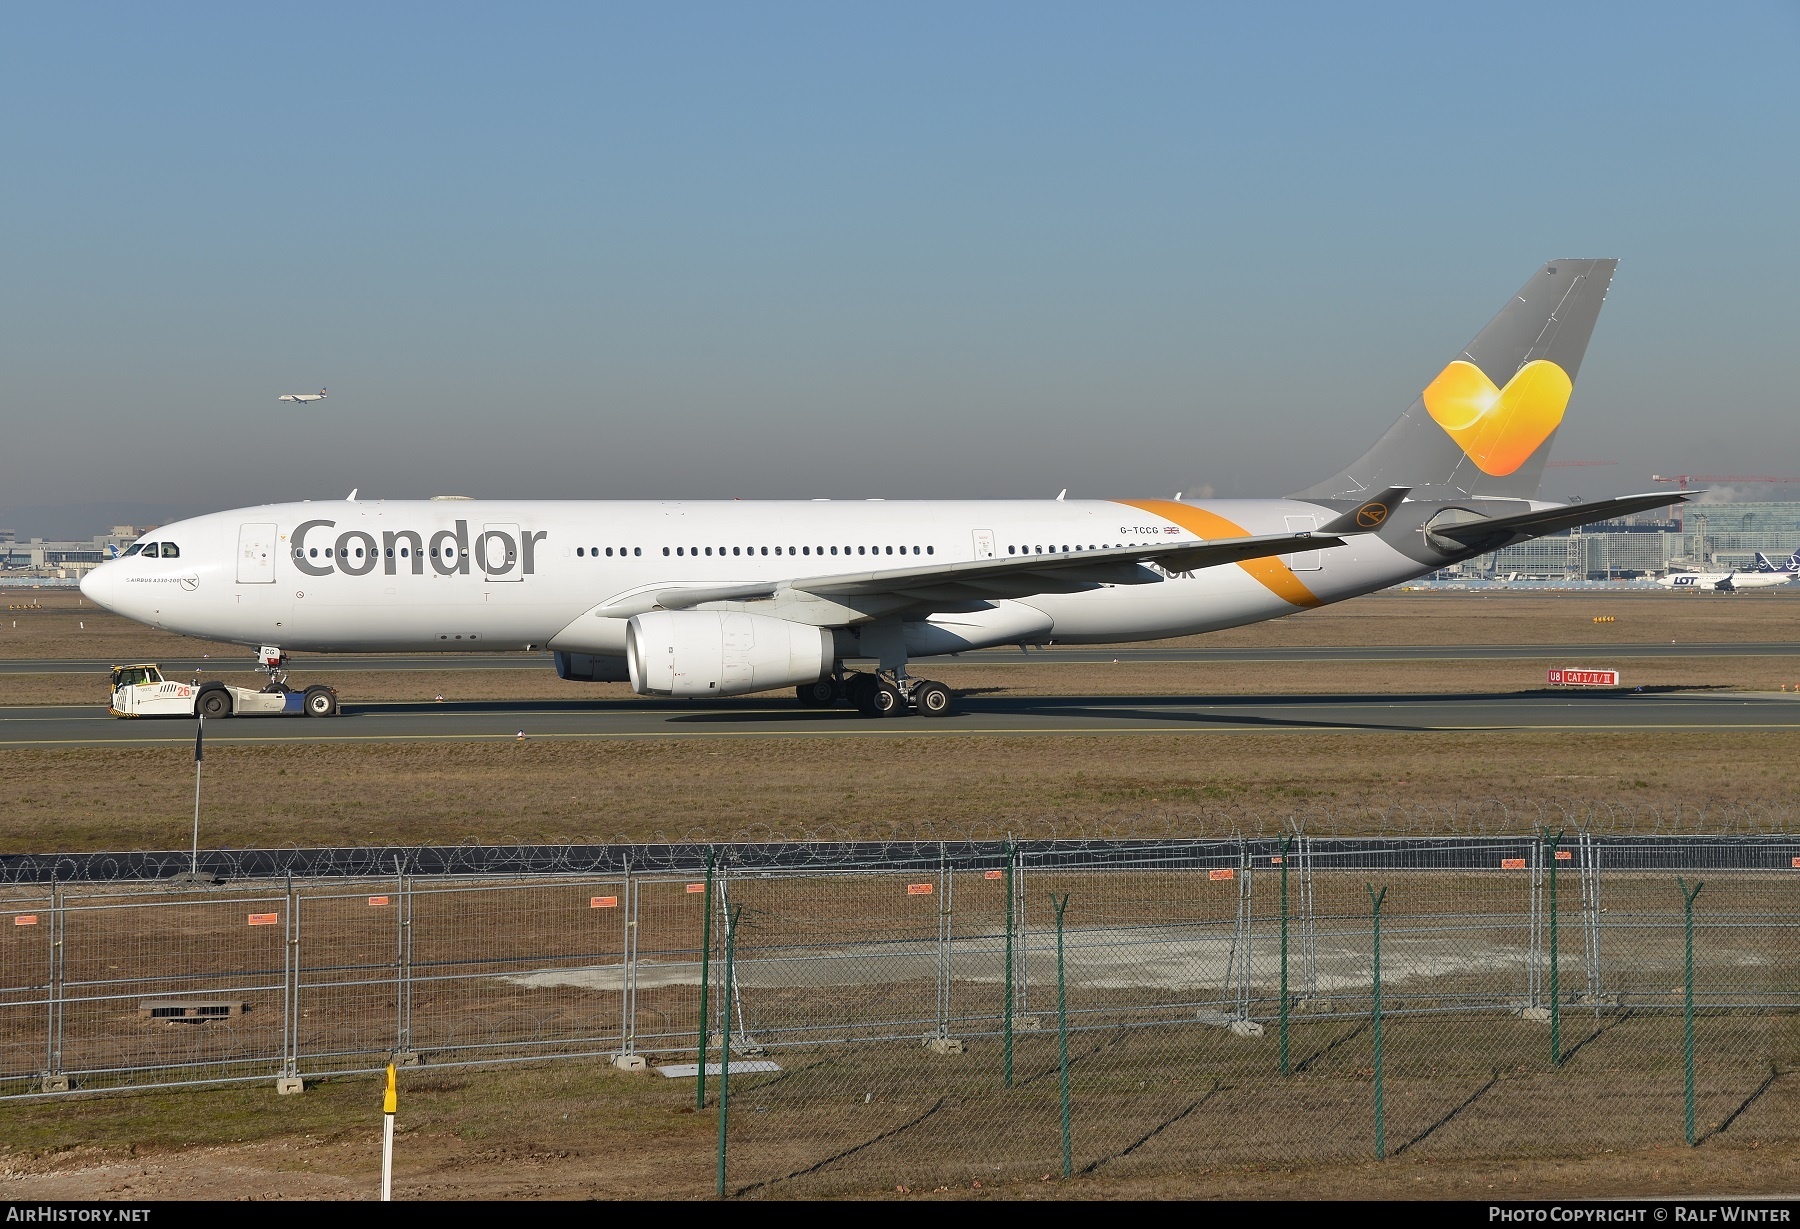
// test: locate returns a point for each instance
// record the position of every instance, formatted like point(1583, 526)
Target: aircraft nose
point(100, 585)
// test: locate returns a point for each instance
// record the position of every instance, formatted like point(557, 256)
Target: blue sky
point(827, 250)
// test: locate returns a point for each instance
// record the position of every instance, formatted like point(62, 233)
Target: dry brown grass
point(579, 1130)
point(547, 790)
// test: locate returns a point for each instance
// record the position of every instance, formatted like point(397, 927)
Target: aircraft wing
point(941, 585)
point(1550, 520)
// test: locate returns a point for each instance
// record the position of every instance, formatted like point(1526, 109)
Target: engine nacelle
point(690, 653)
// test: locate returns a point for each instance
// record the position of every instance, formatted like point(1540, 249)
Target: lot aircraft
point(1724, 582)
point(721, 598)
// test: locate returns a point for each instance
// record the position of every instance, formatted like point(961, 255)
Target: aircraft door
point(256, 555)
point(984, 544)
point(497, 552)
point(1304, 560)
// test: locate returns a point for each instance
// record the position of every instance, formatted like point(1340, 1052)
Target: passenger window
point(581, 552)
point(404, 553)
point(312, 552)
point(637, 550)
point(931, 550)
point(737, 550)
point(806, 550)
point(834, 550)
point(861, 550)
point(765, 550)
point(665, 550)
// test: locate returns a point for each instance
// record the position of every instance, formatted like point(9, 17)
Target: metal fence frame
point(597, 956)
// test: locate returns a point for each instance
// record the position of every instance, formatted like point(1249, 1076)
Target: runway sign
point(1584, 678)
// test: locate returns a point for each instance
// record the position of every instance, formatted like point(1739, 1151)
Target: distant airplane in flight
point(299, 397)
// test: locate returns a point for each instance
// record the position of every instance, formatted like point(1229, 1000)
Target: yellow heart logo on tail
point(1499, 427)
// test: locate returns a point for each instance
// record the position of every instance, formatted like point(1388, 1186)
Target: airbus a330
point(837, 599)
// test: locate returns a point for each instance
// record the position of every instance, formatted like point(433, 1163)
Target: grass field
point(579, 1129)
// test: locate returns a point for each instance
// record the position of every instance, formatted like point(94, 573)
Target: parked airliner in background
point(1791, 567)
point(1730, 582)
point(721, 598)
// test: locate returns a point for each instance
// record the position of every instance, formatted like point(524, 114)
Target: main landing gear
point(882, 694)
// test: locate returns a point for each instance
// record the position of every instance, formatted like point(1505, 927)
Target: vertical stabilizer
point(1485, 424)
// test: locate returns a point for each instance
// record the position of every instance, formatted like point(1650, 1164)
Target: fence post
point(1375, 900)
point(1062, 1033)
point(58, 926)
point(1687, 996)
point(290, 978)
point(628, 1000)
point(1550, 843)
point(1006, 1049)
point(705, 977)
point(1287, 843)
point(946, 936)
point(725, 1046)
point(407, 888)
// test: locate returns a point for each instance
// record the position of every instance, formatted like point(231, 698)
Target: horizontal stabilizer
point(1368, 516)
point(1501, 529)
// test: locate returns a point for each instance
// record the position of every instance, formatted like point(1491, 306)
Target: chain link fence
point(940, 1013)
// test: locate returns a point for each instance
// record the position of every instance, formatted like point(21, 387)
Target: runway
point(981, 716)
point(328, 662)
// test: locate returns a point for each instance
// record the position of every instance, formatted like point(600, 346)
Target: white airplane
point(300, 398)
point(721, 598)
point(1791, 567)
point(1727, 582)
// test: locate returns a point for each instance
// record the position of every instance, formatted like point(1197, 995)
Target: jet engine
point(690, 653)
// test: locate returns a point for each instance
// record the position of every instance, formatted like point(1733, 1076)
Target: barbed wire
point(897, 844)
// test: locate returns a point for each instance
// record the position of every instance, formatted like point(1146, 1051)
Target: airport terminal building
point(1693, 536)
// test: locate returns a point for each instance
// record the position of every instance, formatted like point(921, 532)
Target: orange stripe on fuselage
point(1271, 573)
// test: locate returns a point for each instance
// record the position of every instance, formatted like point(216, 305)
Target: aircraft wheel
point(933, 700)
point(858, 691)
point(215, 704)
point(320, 702)
point(820, 694)
point(885, 701)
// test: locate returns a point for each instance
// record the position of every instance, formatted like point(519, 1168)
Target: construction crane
point(1681, 482)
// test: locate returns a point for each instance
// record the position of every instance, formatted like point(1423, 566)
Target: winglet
point(1368, 516)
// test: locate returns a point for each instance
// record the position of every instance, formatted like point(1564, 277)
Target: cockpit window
point(171, 551)
point(151, 550)
point(131, 550)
